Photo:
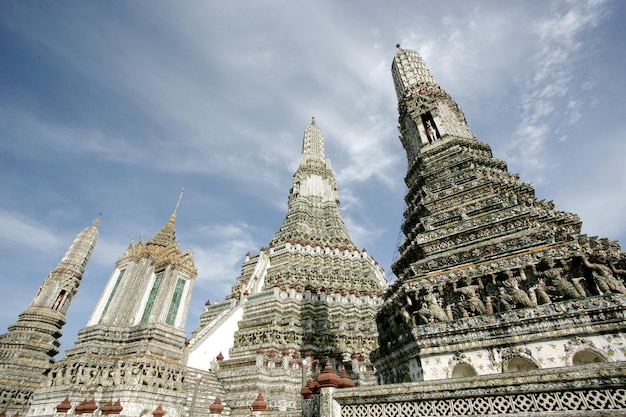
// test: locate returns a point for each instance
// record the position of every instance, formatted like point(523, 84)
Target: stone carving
point(539, 293)
point(153, 374)
point(511, 295)
point(431, 133)
point(603, 276)
point(431, 310)
point(469, 301)
point(558, 277)
point(568, 401)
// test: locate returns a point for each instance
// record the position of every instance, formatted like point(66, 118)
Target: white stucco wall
point(221, 340)
point(545, 354)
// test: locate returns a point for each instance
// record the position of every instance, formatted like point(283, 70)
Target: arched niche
point(463, 370)
point(519, 364)
point(584, 357)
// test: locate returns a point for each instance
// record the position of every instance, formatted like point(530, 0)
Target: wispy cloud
point(219, 253)
point(16, 229)
point(546, 94)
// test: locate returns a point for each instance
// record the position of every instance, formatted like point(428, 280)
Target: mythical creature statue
point(557, 277)
point(603, 276)
point(511, 295)
point(470, 302)
point(431, 310)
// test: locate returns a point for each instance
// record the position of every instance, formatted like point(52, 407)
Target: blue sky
point(113, 107)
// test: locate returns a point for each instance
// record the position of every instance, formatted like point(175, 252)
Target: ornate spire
point(28, 349)
point(428, 114)
point(167, 235)
point(313, 213)
point(410, 72)
point(180, 197)
point(78, 254)
point(313, 144)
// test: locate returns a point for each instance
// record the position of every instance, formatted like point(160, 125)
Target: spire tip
point(180, 197)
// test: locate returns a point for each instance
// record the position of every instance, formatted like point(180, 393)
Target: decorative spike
point(180, 197)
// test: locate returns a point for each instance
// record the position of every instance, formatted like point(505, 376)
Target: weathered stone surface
point(490, 279)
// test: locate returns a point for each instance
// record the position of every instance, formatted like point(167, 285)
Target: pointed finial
point(313, 120)
point(96, 221)
point(180, 197)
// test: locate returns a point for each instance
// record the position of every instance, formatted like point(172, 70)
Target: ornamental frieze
point(104, 373)
point(491, 250)
point(548, 281)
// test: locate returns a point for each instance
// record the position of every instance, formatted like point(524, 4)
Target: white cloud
point(594, 189)
point(362, 235)
point(546, 93)
point(16, 229)
point(219, 254)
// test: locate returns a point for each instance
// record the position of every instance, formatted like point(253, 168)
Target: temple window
point(430, 127)
point(173, 310)
point(155, 289)
point(59, 301)
point(117, 282)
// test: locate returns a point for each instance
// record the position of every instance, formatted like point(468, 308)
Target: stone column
point(328, 406)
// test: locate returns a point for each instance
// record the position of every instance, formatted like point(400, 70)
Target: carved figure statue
point(512, 295)
point(539, 293)
point(406, 315)
point(67, 375)
point(470, 301)
point(433, 304)
point(506, 299)
point(555, 276)
point(603, 277)
point(430, 132)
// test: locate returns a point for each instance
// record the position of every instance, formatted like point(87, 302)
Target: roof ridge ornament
point(166, 235)
point(180, 197)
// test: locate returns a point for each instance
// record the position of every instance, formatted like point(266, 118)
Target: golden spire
point(166, 235)
point(180, 197)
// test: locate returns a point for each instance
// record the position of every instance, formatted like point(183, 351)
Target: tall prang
point(313, 212)
point(490, 279)
point(132, 350)
point(27, 351)
point(307, 299)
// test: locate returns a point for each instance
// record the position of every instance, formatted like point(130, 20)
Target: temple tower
point(490, 279)
point(132, 348)
point(308, 298)
point(27, 351)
